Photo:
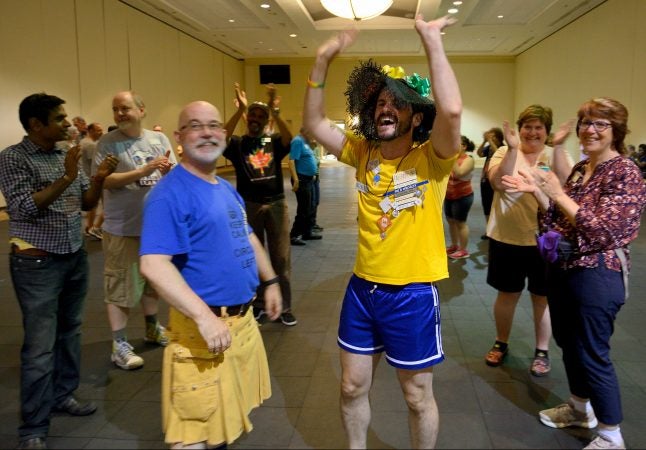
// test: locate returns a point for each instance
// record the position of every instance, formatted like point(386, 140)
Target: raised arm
point(445, 135)
point(241, 101)
point(314, 118)
point(283, 128)
point(508, 163)
point(562, 164)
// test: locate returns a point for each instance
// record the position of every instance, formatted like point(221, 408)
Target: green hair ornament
point(419, 84)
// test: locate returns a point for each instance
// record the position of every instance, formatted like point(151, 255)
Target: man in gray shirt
point(145, 156)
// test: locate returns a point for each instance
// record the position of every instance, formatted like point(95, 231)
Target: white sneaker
point(124, 356)
point(602, 443)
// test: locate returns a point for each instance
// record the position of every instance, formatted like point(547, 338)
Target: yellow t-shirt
point(401, 235)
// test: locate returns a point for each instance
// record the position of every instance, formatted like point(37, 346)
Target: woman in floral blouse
point(598, 212)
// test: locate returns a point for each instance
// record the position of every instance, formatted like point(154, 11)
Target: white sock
point(610, 434)
point(580, 406)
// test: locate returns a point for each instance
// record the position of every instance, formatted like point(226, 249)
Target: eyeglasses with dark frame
point(196, 126)
point(599, 125)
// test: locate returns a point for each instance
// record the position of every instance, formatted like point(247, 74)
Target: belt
point(15, 250)
point(233, 310)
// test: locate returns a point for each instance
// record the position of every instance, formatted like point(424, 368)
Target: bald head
point(196, 108)
point(201, 134)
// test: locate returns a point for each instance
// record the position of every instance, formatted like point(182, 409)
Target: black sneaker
point(287, 318)
point(312, 237)
point(297, 241)
point(317, 228)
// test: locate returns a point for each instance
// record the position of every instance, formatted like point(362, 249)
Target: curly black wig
point(364, 85)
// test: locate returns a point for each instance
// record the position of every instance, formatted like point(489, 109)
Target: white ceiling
point(258, 32)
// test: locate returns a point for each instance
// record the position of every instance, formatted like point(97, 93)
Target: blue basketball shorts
point(401, 321)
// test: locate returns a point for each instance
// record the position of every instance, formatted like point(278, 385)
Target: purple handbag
point(553, 247)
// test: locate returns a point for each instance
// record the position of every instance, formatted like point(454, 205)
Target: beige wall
point(601, 54)
point(85, 51)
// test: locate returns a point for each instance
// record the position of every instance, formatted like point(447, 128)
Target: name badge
point(361, 187)
point(154, 141)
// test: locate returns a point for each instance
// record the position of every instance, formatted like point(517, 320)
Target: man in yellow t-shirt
point(403, 148)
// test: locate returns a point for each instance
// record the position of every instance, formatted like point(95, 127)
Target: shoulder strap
point(624, 268)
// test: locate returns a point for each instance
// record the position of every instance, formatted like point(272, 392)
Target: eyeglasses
point(599, 125)
point(196, 127)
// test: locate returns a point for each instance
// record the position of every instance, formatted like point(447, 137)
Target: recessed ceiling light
point(458, 3)
point(265, 5)
point(442, 33)
point(500, 16)
point(293, 35)
point(231, 20)
point(453, 10)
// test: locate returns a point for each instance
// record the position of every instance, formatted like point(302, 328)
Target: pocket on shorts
point(195, 384)
point(116, 285)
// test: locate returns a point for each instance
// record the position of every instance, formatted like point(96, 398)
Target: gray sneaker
point(124, 356)
point(566, 416)
point(602, 443)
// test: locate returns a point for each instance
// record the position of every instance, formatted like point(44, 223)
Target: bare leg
point(463, 233)
point(423, 416)
point(149, 304)
point(118, 316)
point(542, 322)
point(453, 232)
point(356, 380)
point(503, 312)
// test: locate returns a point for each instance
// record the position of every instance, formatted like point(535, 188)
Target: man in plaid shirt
point(45, 193)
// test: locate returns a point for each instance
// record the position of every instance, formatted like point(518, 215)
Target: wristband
point(315, 85)
point(274, 280)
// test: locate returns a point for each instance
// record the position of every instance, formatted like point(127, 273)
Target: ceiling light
point(458, 3)
point(293, 35)
point(500, 16)
point(453, 11)
point(357, 9)
point(231, 20)
point(265, 5)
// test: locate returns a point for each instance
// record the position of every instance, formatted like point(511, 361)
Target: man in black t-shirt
point(257, 157)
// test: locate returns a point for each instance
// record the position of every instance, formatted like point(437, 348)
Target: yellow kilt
point(206, 396)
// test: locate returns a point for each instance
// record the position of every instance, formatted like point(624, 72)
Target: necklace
point(376, 171)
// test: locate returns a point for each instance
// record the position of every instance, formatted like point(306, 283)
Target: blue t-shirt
point(303, 156)
point(204, 227)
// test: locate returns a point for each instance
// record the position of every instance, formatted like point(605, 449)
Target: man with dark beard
point(200, 254)
point(257, 157)
point(403, 155)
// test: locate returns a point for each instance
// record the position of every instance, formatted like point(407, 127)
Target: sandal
point(495, 356)
point(540, 366)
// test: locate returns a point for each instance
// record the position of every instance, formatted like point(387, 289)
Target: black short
point(509, 265)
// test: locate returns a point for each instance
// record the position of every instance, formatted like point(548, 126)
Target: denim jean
point(270, 223)
point(584, 303)
point(304, 220)
point(50, 290)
